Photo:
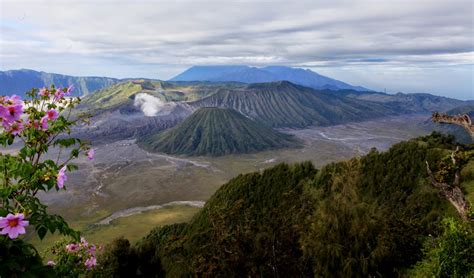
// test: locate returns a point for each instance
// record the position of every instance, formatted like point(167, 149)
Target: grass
point(132, 227)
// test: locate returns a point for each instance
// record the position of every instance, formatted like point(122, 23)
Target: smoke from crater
point(152, 106)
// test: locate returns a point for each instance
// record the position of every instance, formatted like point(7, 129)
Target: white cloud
point(157, 39)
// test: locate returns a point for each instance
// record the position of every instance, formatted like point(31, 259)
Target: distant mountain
point(283, 104)
point(413, 103)
point(246, 74)
point(215, 132)
point(460, 110)
point(309, 78)
point(205, 73)
point(20, 81)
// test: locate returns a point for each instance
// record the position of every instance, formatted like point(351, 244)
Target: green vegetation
point(449, 255)
point(112, 96)
point(369, 216)
point(217, 131)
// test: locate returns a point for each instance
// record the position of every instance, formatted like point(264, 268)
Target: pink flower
point(11, 110)
point(50, 263)
point(84, 242)
point(14, 99)
point(90, 154)
point(52, 114)
point(61, 177)
point(92, 249)
point(44, 92)
point(91, 262)
point(58, 94)
point(69, 90)
point(13, 225)
point(44, 122)
point(14, 128)
point(72, 247)
point(34, 123)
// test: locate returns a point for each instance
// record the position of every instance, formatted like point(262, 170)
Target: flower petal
point(13, 233)
point(5, 230)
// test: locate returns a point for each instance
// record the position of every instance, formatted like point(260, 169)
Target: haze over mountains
point(20, 81)
point(246, 74)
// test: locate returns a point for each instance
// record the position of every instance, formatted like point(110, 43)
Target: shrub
point(36, 125)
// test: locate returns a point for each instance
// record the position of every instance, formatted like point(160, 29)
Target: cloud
point(158, 39)
point(152, 106)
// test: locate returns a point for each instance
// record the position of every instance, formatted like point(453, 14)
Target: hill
point(283, 104)
point(246, 74)
point(20, 81)
point(411, 103)
point(216, 131)
point(365, 217)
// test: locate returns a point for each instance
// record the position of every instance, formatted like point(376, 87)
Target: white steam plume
point(153, 106)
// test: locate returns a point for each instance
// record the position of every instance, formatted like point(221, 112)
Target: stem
point(59, 155)
point(5, 175)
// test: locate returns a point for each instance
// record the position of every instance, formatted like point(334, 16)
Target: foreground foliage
point(449, 255)
point(34, 126)
point(369, 216)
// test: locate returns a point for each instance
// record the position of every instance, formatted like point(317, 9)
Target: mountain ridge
point(284, 104)
point(23, 80)
point(247, 74)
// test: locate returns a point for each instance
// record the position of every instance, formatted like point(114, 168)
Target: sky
point(396, 46)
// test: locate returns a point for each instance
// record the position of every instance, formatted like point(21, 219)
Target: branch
point(460, 120)
point(452, 193)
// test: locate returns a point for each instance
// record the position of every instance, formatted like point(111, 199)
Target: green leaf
point(72, 167)
point(65, 142)
point(42, 232)
point(10, 140)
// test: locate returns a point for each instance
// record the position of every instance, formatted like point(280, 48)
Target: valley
point(117, 187)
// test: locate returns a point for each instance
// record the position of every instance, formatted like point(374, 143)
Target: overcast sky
point(408, 46)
